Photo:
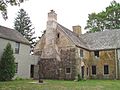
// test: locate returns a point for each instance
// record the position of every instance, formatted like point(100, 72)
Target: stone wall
point(82, 62)
point(106, 57)
point(51, 68)
point(68, 60)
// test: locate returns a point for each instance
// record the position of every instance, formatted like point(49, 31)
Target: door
point(32, 71)
point(82, 71)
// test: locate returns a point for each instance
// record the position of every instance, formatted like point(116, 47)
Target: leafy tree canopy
point(4, 4)
point(107, 19)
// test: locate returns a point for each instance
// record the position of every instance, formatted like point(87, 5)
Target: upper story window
point(58, 35)
point(17, 48)
point(57, 38)
point(96, 53)
point(81, 53)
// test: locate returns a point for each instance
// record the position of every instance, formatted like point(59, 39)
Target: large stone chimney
point(77, 30)
point(50, 41)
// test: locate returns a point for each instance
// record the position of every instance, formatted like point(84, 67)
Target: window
point(96, 53)
point(16, 67)
point(17, 47)
point(68, 70)
point(106, 69)
point(87, 71)
point(81, 53)
point(94, 70)
point(58, 35)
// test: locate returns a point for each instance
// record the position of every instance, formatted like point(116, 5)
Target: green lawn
point(61, 85)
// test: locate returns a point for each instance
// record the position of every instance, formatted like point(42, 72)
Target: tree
point(23, 24)
point(7, 64)
point(113, 16)
point(108, 19)
point(5, 3)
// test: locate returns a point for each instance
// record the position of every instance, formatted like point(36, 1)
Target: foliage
point(77, 78)
point(7, 64)
point(4, 4)
point(108, 19)
point(23, 24)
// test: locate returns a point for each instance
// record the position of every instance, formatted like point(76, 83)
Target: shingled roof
point(73, 37)
point(108, 39)
point(13, 35)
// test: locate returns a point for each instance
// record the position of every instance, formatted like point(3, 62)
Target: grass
point(61, 85)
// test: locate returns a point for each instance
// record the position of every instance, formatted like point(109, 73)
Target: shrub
point(78, 78)
point(7, 64)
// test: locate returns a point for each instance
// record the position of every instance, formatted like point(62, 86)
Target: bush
point(7, 64)
point(77, 78)
point(18, 78)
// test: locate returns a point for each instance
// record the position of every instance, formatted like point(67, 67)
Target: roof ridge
point(106, 30)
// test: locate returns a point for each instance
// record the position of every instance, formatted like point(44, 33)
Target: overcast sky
point(70, 12)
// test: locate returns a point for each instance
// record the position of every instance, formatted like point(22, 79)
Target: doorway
point(32, 71)
point(82, 71)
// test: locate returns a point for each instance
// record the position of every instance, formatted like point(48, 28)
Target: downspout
point(116, 63)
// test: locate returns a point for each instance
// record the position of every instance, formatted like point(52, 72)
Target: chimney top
point(77, 30)
point(52, 16)
point(52, 10)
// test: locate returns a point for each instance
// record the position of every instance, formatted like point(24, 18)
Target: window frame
point(17, 47)
point(69, 70)
point(81, 53)
point(96, 54)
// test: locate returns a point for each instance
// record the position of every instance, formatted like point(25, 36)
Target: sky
point(69, 12)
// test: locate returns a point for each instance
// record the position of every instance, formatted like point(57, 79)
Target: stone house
point(21, 47)
point(65, 54)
